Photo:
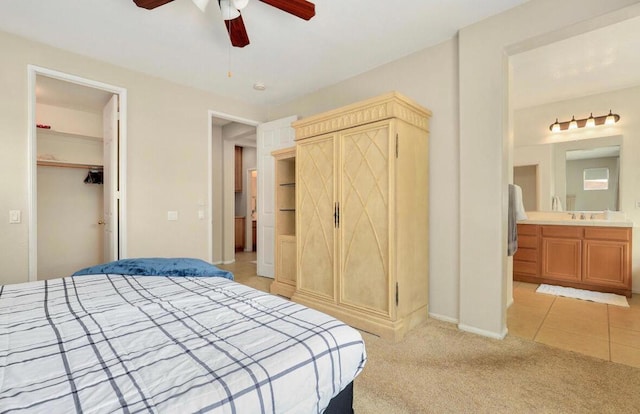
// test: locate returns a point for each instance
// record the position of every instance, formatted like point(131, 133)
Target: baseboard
point(443, 318)
point(509, 302)
point(483, 332)
point(229, 262)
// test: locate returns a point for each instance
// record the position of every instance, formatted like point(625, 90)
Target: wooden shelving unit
point(285, 226)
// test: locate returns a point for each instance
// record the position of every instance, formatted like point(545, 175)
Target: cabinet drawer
point(526, 255)
point(529, 268)
point(530, 229)
point(527, 241)
point(569, 232)
point(607, 233)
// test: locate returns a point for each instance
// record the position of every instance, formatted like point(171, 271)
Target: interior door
point(110, 178)
point(270, 136)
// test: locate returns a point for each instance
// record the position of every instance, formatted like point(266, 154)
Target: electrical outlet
point(172, 215)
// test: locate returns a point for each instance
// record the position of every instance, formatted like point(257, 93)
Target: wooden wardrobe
point(362, 214)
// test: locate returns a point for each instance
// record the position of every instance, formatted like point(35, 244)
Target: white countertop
point(616, 219)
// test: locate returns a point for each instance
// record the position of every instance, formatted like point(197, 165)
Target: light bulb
point(610, 120)
point(240, 4)
point(573, 124)
point(591, 121)
point(228, 11)
point(555, 127)
point(202, 4)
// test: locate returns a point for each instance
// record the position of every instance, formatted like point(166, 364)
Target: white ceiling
point(595, 62)
point(292, 57)
point(50, 91)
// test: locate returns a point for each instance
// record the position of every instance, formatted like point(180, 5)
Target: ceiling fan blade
point(151, 4)
point(300, 8)
point(237, 32)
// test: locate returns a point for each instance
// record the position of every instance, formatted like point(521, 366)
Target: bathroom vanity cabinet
point(584, 257)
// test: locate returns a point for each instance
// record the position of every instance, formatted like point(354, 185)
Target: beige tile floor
point(603, 331)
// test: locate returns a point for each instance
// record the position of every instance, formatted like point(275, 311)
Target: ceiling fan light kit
point(202, 4)
point(228, 11)
point(232, 17)
point(240, 4)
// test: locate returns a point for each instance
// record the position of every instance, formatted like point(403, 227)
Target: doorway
point(232, 143)
point(526, 176)
point(76, 173)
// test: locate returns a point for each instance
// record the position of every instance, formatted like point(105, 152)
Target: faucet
point(593, 216)
point(582, 216)
point(573, 215)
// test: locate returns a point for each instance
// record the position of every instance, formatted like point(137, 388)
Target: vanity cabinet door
point(607, 257)
point(561, 259)
point(606, 263)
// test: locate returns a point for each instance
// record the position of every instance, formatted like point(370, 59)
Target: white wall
point(430, 77)
point(69, 236)
point(532, 130)
point(166, 146)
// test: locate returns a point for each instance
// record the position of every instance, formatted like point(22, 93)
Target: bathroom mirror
point(592, 179)
point(557, 171)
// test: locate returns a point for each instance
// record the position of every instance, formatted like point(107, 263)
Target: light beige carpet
point(439, 369)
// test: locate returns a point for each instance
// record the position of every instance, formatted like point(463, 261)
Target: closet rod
point(69, 165)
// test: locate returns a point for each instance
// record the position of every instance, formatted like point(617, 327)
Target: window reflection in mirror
point(592, 179)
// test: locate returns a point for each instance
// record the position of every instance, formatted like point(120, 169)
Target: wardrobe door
point(315, 216)
point(364, 217)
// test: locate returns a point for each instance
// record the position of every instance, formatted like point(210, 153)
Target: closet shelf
point(287, 184)
point(53, 132)
point(64, 164)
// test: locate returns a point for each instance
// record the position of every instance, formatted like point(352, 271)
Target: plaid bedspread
point(113, 343)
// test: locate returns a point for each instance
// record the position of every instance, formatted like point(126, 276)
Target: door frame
point(248, 229)
point(210, 193)
point(119, 163)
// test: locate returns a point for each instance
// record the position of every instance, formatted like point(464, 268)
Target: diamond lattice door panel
point(364, 218)
point(315, 206)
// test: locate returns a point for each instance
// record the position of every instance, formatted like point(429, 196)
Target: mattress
point(116, 343)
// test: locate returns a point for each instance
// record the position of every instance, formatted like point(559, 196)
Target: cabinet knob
point(101, 222)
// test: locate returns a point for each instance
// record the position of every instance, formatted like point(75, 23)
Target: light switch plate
point(14, 217)
point(172, 215)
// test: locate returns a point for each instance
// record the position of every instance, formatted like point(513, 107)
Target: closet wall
point(69, 236)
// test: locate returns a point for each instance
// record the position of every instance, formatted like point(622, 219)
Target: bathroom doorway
point(526, 177)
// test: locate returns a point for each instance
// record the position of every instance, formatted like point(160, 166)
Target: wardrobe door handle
point(102, 222)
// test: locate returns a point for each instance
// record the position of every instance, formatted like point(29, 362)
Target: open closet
point(70, 182)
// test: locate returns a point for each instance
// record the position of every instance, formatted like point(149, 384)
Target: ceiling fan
point(233, 18)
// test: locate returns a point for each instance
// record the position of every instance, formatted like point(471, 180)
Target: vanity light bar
point(589, 122)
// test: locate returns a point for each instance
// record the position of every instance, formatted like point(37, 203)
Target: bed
point(169, 344)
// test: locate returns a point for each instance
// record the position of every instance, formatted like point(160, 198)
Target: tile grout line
point(545, 318)
point(609, 332)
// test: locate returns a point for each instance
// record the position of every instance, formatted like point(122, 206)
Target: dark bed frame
point(342, 403)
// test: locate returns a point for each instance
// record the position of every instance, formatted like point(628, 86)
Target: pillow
point(157, 266)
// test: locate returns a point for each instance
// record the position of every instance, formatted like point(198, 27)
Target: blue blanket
point(157, 266)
